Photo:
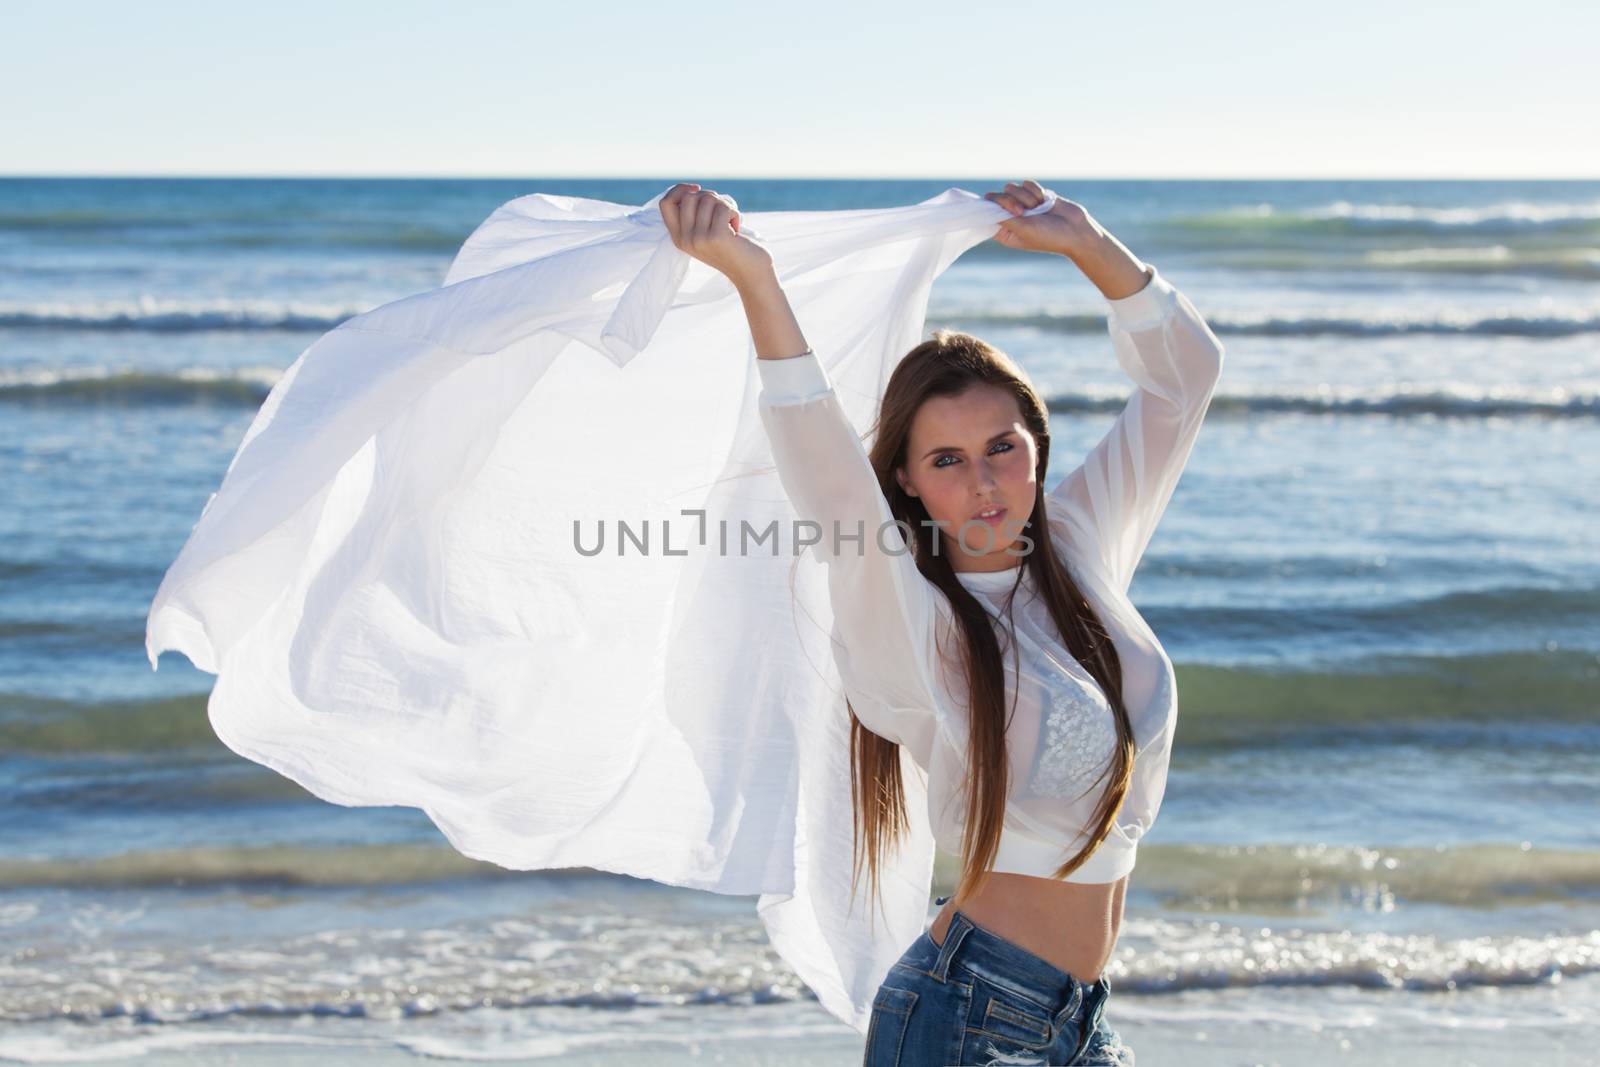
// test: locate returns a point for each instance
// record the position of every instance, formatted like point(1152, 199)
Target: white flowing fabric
point(389, 588)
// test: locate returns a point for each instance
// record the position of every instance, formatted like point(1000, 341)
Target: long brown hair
point(945, 365)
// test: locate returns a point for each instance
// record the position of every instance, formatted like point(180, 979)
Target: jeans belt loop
point(960, 927)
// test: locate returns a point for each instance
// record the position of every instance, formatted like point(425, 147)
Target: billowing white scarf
point(394, 588)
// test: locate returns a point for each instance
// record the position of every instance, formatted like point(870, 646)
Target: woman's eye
point(1003, 446)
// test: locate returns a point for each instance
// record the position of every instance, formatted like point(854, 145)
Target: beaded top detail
point(1079, 741)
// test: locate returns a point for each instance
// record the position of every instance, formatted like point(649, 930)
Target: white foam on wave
point(148, 312)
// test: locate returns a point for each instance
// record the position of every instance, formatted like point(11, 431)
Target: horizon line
point(390, 176)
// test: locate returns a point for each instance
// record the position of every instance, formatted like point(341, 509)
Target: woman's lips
point(993, 520)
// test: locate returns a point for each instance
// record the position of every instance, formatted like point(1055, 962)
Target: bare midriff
point(1071, 925)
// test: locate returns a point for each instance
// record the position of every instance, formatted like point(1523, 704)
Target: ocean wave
point(592, 948)
point(249, 386)
point(69, 220)
point(232, 230)
point(1456, 401)
point(1259, 879)
point(1223, 705)
point(190, 316)
point(390, 239)
point(1576, 264)
point(1267, 879)
point(245, 386)
point(1573, 263)
point(178, 316)
point(1382, 697)
point(284, 866)
point(1571, 323)
point(1512, 217)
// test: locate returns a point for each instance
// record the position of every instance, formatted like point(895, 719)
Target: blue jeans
point(980, 999)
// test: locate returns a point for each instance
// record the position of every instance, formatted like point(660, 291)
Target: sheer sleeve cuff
point(793, 379)
point(1146, 308)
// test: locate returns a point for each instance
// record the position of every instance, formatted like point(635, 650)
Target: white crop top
point(890, 623)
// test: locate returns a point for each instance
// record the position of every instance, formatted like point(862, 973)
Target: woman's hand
point(1062, 229)
point(703, 225)
point(1070, 230)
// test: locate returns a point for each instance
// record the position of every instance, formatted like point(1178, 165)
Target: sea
point(1379, 579)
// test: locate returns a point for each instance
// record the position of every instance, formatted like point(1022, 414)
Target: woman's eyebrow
point(953, 448)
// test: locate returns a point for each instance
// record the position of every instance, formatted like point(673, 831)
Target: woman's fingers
point(1007, 202)
point(705, 225)
point(669, 209)
point(1050, 231)
point(713, 216)
point(724, 218)
point(694, 215)
point(705, 212)
point(672, 209)
point(1019, 196)
point(1027, 197)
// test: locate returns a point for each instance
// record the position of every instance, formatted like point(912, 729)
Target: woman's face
point(968, 454)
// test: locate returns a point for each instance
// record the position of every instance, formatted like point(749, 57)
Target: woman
point(991, 637)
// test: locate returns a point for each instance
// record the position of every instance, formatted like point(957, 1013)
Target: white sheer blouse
point(894, 637)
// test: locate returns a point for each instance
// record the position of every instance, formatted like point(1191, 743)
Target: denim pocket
point(886, 1033)
point(1016, 1023)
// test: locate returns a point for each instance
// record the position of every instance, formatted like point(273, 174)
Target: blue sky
point(1157, 89)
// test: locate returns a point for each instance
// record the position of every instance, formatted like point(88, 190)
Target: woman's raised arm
point(885, 618)
point(884, 610)
point(1108, 507)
